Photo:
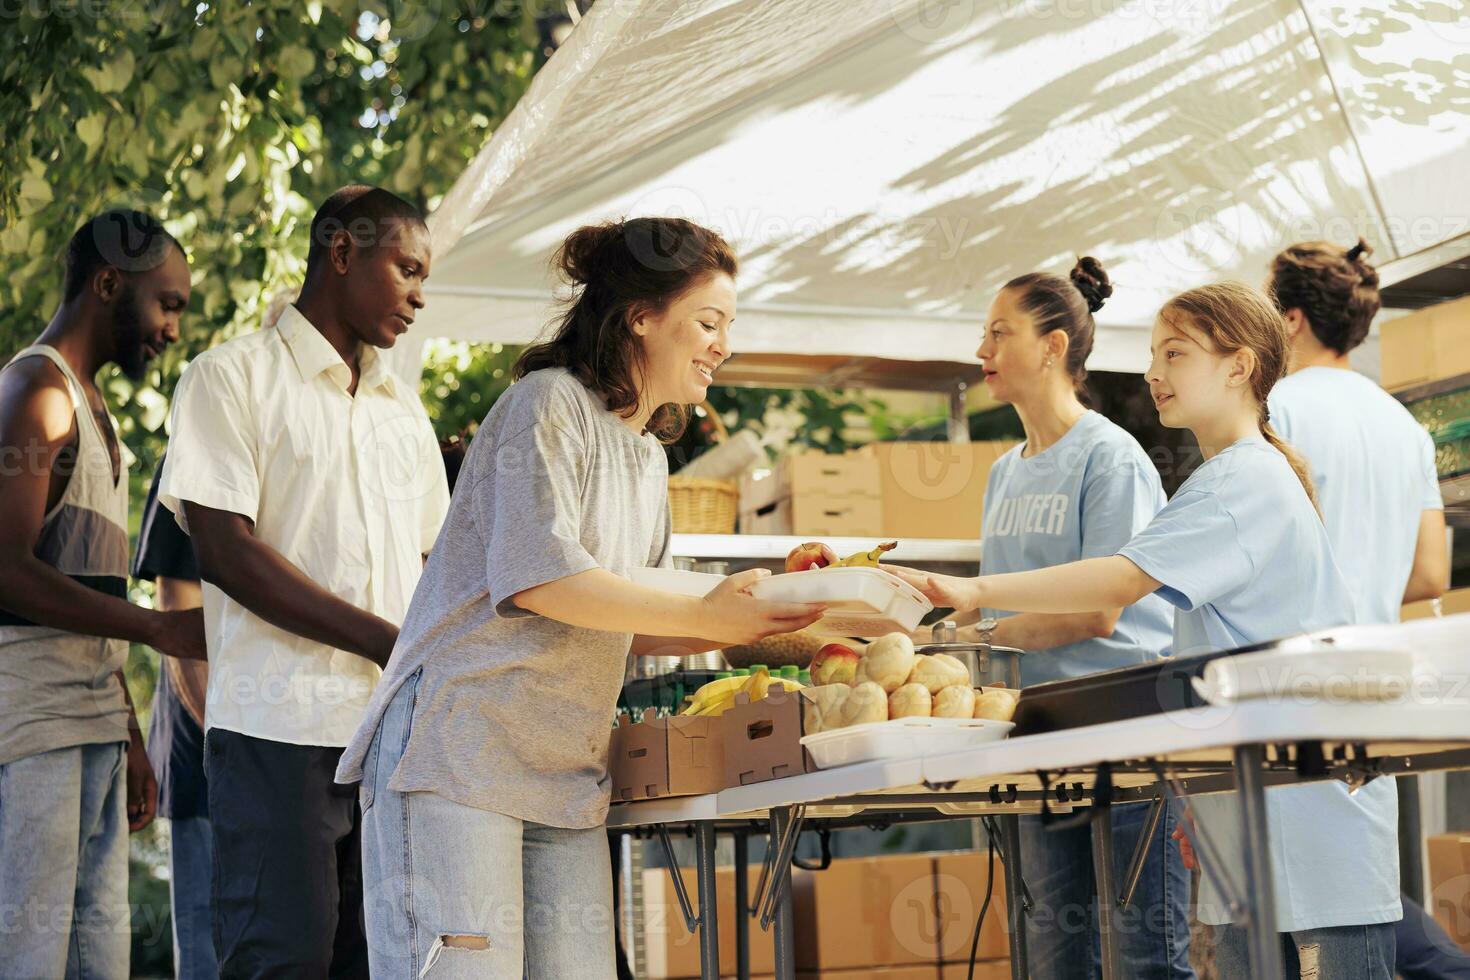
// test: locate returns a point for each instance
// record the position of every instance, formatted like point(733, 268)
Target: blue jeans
point(191, 891)
point(1338, 953)
point(64, 864)
point(1423, 950)
point(1062, 934)
point(451, 891)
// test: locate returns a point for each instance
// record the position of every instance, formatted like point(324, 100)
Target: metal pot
point(987, 664)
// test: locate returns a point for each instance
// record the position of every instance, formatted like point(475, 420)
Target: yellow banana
point(717, 697)
point(867, 559)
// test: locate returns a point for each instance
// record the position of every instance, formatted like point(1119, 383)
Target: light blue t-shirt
point(1085, 496)
point(1244, 558)
point(1373, 465)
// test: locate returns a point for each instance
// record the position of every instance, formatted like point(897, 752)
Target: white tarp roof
point(883, 165)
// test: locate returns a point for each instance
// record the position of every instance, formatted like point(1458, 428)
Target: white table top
point(1165, 736)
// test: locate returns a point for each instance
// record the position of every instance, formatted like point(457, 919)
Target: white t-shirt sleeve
point(1431, 499)
point(212, 457)
point(531, 515)
point(1116, 505)
point(1194, 548)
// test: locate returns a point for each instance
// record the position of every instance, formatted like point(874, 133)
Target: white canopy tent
point(883, 165)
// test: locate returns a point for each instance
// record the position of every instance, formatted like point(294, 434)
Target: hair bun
point(1357, 257)
point(580, 257)
point(1092, 282)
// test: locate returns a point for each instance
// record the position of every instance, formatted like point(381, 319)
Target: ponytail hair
point(1066, 304)
point(1236, 317)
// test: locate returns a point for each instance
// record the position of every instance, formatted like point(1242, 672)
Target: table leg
point(742, 907)
point(1107, 890)
point(783, 926)
point(709, 918)
point(1260, 899)
point(1010, 849)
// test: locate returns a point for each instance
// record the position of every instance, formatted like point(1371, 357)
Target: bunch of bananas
point(867, 559)
point(717, 697)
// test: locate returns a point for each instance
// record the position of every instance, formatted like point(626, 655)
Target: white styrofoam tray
point(677, 580)
point(860, 601)
point(901, 738)
point(1331, 675)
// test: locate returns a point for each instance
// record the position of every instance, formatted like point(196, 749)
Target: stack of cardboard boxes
point(1427, 345)
point(890, 489)
point(1449, 885)
point(902, 917)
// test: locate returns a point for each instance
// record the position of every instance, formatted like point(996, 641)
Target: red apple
point(813, 554)
point(835, 663)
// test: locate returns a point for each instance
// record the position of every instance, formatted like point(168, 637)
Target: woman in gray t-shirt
point(483, 755)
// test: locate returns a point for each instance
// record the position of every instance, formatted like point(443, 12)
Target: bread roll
point(996, 703)
point(955, 701)
point(865, 703)
point(889, 661)
point(910, 701)
point(938, 672)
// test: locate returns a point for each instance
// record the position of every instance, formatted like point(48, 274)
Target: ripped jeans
point(451, 891)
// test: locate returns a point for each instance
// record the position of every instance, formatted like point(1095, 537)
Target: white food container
point(676, 580)
point(901, 738)
point(860, 601)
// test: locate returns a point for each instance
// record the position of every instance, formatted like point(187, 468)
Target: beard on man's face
point(127, 328)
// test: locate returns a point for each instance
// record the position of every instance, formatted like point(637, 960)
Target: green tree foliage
point(231, 121)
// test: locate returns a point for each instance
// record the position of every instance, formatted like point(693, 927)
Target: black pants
point(287, 861)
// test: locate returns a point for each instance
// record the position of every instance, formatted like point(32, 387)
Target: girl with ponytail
point(1079, 487)
point(1241, 553)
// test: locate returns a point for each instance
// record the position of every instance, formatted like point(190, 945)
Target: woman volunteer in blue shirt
point(1079, 487)
point(1242, 554)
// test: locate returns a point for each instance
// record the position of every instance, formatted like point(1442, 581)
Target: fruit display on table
point(717, 697)
point(889, 680)
point(815, 555)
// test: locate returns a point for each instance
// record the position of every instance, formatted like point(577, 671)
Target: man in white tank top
point(74, 778)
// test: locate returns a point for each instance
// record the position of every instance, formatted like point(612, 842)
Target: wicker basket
point(701, 506)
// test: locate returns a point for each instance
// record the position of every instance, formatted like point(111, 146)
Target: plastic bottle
point(757, 668)
point(724, 675)
point(805, 677)
point(741, 672)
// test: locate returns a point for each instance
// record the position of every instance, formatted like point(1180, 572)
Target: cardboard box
point(935, 489)
point(672, 951)
point(866, 912)
point(1453, 601)
point(959, 891)
point(797, 474)
point(821, 515)
point(763, 739)
point(1426, 345)
point(817, 515)
point(814, 493)
point(989, 970)
point(1449, 885)
point(659, 757)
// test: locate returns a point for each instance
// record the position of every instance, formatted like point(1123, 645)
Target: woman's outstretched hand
point(959, 594)
point(732, 615)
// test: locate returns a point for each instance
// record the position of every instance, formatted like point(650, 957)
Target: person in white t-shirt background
point(310, 482)
point(1374, 469)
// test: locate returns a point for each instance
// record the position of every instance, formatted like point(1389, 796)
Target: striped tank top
point(58, 689)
